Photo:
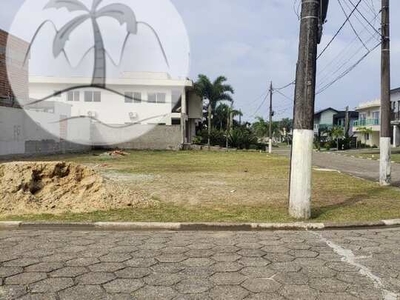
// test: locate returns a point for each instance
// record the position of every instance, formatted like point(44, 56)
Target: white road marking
point(349, 257)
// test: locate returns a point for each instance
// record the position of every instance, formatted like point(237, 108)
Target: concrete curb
point(143, 226)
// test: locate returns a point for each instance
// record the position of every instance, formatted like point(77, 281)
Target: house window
point(73, 96)
point(367, 136)
point(128, 97)
point(376, 115)
point(92, 96)
point(152, 98)
point(133, 97)
point(157, 97)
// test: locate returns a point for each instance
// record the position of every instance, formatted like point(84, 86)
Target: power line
point(347, 71)
point(283, 95)
point(339, 30)
point(262, 103)
point(362, 15)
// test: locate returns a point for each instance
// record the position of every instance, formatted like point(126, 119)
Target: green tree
point(337, 133)
point(214, 93)
point(120, 12)
point(365, 131)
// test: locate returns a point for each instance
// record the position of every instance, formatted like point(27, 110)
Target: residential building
point(12, 54)
point(395, 99)
point(323, 120)
point(367, 127)
point(149, 99)
point(339, 120)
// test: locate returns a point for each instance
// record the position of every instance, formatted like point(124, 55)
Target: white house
point(369, 118)
point(151, 100)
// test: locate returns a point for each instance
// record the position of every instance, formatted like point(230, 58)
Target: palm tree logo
point(120, 12)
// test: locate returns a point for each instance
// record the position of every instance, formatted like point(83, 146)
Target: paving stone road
point(94, 265)
point(363, 168)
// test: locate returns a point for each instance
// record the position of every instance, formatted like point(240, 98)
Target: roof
point(396, 90)
point(370, 104)
point(127, 79)
point(324, 110)
point(342, 115)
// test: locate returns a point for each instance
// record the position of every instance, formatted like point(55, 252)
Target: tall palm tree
point(121, 12)
point(213, 92)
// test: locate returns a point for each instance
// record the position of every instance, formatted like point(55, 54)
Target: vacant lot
point(234, 186)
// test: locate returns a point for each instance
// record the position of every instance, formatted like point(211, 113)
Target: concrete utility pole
point(385, 147)
point(271, 113)
point(303, 133)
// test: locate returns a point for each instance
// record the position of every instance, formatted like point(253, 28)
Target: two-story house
point(367, 127)
point(395, 99)
point(323, 120)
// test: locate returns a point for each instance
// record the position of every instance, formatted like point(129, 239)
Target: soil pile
point(58, 187)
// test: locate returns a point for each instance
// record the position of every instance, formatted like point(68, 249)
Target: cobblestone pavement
point(200, 265)
point(363, 168)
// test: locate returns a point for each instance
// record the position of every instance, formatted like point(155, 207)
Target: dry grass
point(234, 186)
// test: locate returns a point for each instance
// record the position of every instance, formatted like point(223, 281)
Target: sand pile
point(57, 187)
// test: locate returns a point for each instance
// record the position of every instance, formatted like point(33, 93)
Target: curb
point(143, 226)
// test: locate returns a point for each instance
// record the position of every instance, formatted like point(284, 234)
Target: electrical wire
point(339, 30)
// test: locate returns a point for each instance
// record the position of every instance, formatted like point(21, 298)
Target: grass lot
point(228, 187)
point(373, 154)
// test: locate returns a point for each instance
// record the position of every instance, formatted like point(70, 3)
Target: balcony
point(366, 122)
point(395, 117)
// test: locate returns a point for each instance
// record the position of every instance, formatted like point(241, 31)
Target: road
point(200, 265)
point(363, 168)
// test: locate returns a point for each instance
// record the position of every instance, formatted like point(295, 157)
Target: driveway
point(363, 168)
point(200, 265)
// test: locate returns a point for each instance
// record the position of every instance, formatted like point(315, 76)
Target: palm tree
point(121, 12)
point(213, 92)
point(260, 127)
point(221, 116)
point(337, 133)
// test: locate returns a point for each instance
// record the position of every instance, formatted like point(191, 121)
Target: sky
point(254, 42)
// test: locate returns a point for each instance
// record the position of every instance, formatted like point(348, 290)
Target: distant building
point(395, 99)
point(367, 127)
point(134, 98)
point(10, 64)
point(339, 120)
point(323, 120)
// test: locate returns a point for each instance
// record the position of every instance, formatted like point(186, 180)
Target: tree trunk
point(209, 126)
point(99, 67)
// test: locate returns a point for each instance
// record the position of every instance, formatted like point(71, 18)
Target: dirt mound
point(57, 187)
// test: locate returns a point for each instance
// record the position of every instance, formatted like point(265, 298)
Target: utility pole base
point(270, 146)
point(300, 178)
point(385, 161)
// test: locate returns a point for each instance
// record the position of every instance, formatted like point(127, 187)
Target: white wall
point(112, 109)
point(19, 134)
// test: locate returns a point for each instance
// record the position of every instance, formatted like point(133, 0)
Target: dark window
point(137, 97)
point(152, 98)
point(97, 97)
point(128, 97)
point(161, 97)
point(92, 96)
point(88, 96)
point(73, 96)
point(57, 94)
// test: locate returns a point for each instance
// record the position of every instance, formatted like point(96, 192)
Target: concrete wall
point(160, 138)
point(20, 135)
